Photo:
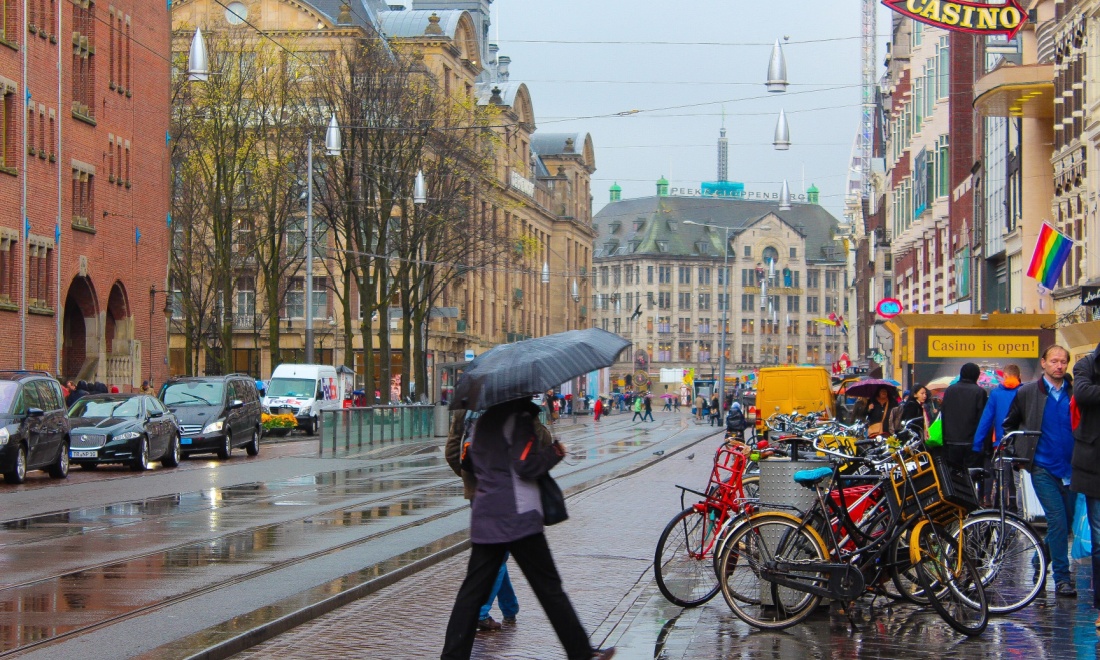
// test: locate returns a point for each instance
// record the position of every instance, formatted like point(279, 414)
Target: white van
point(303, 390)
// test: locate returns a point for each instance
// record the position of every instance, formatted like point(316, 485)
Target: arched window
point(770, 255)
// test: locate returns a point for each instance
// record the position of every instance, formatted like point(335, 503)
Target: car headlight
point(4, 435)
point(129, 435)
point(214, 427)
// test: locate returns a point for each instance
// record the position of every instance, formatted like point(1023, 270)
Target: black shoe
point(1065, 590)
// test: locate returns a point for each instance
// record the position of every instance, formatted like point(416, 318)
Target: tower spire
point(723, 150)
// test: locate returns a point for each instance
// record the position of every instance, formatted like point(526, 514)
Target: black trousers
point(533, 556)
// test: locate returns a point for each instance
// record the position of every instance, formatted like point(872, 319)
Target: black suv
point(34, 431)
point(215, 413)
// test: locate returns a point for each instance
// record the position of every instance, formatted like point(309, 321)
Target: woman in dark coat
point(917, 407)
point(506, 517)
point(878, 410)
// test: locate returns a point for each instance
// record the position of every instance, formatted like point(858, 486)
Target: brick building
point(84, 99)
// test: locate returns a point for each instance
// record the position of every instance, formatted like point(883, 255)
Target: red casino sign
point(962, 16)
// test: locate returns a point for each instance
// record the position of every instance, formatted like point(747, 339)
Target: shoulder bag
point(553, 501)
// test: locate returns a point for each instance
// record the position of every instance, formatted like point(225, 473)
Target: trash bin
point(777, 486)
point(442, 421)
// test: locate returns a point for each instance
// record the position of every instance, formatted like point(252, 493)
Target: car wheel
point(226, 450)
point(253, 447)
point(141, 459)
point(18, 473)
point(171, 457)
point(60, 468)
point(311, 426)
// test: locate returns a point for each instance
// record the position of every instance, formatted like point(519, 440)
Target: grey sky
point(573, 80)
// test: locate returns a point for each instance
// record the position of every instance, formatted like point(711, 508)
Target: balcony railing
point(244, 321)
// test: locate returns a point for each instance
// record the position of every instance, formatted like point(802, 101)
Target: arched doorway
point(80, 339)
point(123, 359)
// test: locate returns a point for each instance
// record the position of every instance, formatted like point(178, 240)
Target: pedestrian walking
point(714, 411)
point(637, 407)
point(676, 404)
point(990, 427)
point(916, 408)
point(700, 404)
point(597, 409)
point(506, 516)
point(1044, 406)
point(735, 421)
point(877, 416)
point(1086, 454)
point(963, 404)
point(647, 405)
point(668, 403)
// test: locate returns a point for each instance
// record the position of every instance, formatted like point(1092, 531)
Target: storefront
point(929, 346)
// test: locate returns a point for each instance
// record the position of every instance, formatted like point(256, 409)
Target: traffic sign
point(888, 308)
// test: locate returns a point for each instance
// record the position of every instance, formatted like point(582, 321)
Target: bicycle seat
point(810, 478)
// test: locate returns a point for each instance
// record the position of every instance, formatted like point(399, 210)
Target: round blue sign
point(888, 308)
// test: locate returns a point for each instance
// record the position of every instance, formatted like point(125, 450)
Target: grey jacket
point(508, 458)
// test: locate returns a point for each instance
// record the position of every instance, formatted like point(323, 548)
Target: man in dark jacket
point(1043, 406)
point(1086, 454)
point(960, 413)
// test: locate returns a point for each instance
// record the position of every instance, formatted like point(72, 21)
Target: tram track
point(444, 489)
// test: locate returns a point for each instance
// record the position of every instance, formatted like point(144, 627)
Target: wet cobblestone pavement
point(604, 554)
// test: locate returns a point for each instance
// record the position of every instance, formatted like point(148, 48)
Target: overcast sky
point(719, 60)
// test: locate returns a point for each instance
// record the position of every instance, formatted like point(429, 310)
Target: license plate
point(82, 453)
point(185, 441)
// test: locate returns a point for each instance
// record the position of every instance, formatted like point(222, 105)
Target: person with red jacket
point(597, 410)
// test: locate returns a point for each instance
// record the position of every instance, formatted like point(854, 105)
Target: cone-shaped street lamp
point(777, 70)
point(420, 189)
point(576, 295)
point(785, 197)
point(782, 140)
point(198, 66)
point(545, 272)
point(332, 138)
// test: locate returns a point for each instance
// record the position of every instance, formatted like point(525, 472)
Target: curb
point(271, 629)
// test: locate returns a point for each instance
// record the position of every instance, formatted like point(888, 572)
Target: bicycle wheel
point(765, 538)
point(683, 563)
point(720, 569)
point(1009, 557)
point(751, 484)
point(949, 579)
point(903, 575)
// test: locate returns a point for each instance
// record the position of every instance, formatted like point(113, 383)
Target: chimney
point(502, 67)
point(344, 18)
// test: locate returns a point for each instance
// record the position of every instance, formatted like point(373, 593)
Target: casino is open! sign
point(960, 16)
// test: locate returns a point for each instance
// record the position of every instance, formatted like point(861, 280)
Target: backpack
point(465, 461)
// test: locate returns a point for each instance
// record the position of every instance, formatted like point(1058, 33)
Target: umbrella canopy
point(870, 387)
point(670, 396)
point(990, 378)
point(525, 368)
point(941, 383)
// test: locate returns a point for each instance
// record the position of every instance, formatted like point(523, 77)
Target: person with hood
point(79, 393)
point(996, 409)
point(597, 409)
point(506, 517)
point(1085, 462)
point(963, 403)
point(735, 421)
point(1044, 406)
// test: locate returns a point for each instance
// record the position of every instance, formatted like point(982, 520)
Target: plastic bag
point(1082, 533)
point(935, 433)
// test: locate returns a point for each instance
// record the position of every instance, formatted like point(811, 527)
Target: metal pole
point(725, 322)
point(309, 255)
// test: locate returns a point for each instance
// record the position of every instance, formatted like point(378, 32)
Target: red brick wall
point(109, 255)
point(963, 131)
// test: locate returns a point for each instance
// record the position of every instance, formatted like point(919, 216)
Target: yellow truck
point(793, 390)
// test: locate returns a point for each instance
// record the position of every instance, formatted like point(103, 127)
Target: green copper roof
point(615, 187)
point(662, 181)
point(812, 189)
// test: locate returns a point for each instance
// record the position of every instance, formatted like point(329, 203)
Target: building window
point(812, 304)
point(8, 29)
point(9, 257)
point(112, 56)
point(704, 302)
point(723, 302)
point(664, 300)
point(295, 236)
point(792, 303)
point(685, 351)
point(129, 89)
point(245, 315)
point(617, 276)
point(684, 302)
point(649, 299)
point(748, 250)
point(832, 280)
point(7, 125)
point(320, 297)
point(126, 170)
point(39, 265)
point(812, 279)
point(664, 324)
point(83, 197)
point(747, 301)
point(723, 276)
point(794, 253)
point(603, 276)
point(664, 274)
point(704, 276)
point(649, 274)
point(748, 326)
point(664, 351)
point(295, 298)
point(748, 354)
point(83, 63)
point(684, 326)
point(685, 274)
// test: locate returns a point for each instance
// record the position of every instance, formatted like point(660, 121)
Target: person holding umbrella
point(648, 406)
point(506, 517)
point(878, 412)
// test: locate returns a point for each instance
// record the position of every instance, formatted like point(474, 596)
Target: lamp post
point(725, 311)
point(153, 291)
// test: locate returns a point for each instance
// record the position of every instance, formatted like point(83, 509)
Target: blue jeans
point(502, 593)
point(1092, 508)
point(1058, 504)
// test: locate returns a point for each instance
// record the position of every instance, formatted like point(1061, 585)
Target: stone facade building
point(84, 181)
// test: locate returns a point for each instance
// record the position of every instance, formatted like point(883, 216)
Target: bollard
point(347, 429)
point(359, 421)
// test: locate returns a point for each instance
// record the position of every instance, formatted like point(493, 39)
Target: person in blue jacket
point(996, 409)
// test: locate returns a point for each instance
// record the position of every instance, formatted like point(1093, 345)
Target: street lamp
point(725, 311)
point(332, 148)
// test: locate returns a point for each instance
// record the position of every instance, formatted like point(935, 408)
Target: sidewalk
point(604, 553)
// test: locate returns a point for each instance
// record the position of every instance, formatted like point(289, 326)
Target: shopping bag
point(935, 433)
point(1082, 534)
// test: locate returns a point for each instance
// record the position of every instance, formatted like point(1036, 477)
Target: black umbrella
point(532, 366)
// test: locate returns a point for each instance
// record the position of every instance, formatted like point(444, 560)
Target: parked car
point(34, 431)
point(123, 428)
point(215, 413)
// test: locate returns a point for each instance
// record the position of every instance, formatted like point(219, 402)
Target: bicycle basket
point(926, 491)
point(726, 488)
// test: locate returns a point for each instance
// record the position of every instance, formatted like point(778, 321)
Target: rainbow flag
point(1051, 252)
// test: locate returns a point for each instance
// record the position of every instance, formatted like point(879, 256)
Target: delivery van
point(303, 390)
point(793, 390)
